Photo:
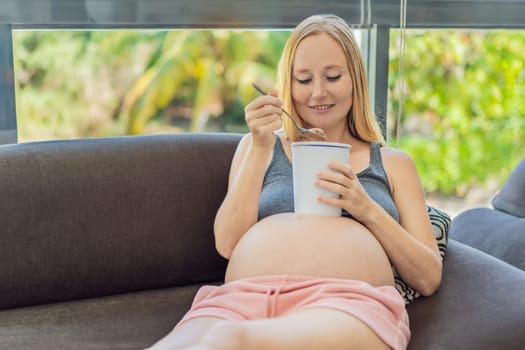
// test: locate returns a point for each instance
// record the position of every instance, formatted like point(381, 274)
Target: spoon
point(315, 132)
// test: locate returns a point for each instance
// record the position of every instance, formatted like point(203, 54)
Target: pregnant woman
point(311, 282)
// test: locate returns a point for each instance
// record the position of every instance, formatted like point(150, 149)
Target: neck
point(339, 135)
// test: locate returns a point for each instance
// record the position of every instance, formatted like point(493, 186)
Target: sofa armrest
point(480, 305)
point(91, 217)
point(492, 231)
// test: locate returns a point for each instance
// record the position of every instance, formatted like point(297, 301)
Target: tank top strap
point(278, 145)
point(376, 163)
point(279, 156)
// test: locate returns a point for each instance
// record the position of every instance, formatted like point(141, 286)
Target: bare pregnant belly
point(295, 244)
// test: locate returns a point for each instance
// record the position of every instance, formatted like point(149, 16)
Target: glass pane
point(75, 83)
point(113, 82)
point(463, 114)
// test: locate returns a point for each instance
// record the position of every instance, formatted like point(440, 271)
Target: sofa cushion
point(511, 197)
point(480, 305)
point(125, 321)
point(497, 233)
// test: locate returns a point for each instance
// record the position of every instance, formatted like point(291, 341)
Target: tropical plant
point(208, 70)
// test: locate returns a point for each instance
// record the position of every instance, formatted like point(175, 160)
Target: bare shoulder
point(399, 166)
point(241, 151)
point(394, 158)
point(245, 141)
point(243, 146)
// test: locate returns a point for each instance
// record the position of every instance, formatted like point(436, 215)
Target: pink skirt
point(380, 308)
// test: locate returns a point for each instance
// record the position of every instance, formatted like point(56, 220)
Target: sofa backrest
point(511, 197)
point(92, 217)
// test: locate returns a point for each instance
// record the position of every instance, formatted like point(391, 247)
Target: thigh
point(314, 328)
point(187, 334)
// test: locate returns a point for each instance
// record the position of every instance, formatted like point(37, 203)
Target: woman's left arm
point(409, 244)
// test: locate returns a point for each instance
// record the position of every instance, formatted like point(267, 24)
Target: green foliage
point(70, 83)
point(463, 118)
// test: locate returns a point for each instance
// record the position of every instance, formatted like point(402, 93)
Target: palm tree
point(211, 69)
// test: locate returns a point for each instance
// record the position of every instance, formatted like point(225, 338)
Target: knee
point(225, 335)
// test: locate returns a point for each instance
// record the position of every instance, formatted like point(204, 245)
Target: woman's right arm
point(239, 210)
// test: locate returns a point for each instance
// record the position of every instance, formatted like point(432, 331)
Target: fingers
point(341, 173)
point(263, 114)
point(335, 187)
point(342, 181)
point(263, 106)
point(263, 101)
point(266, 116)
point(265, 125)
point(343, 168)
point(274, 93)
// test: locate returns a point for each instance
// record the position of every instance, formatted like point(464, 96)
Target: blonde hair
point(361, 122)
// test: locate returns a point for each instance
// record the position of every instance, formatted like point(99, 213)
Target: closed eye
point(303, 81)
point(334, 78)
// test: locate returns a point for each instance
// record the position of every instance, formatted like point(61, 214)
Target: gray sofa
point(104, 242)
point(500, 230)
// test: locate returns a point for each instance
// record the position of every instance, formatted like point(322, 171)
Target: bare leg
point(188, 334)
point(319, 329)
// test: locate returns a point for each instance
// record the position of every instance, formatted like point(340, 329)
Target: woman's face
point(321, 83)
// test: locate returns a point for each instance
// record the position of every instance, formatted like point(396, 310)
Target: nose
point(319, 89)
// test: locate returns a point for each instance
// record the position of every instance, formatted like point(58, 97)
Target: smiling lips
point(322, 107)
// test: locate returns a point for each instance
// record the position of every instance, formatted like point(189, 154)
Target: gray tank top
point(277, 189)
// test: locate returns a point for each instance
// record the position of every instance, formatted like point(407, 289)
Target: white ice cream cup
point(308, 159)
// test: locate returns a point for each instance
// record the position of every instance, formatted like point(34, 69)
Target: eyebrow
point(304, 70)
